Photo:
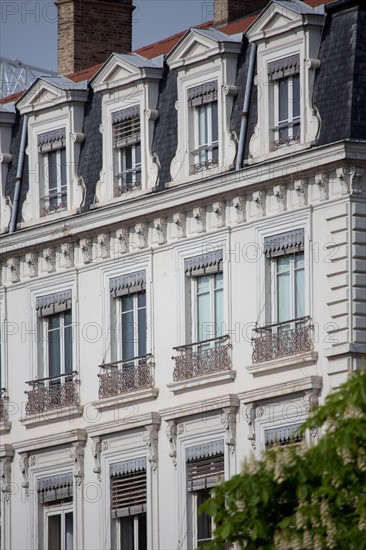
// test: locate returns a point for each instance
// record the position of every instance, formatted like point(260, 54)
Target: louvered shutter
point(283, 435)
point(54, 303)
point(126, 127)
point(128, 284)
point(55, 487)
point(284, 243)
point(204, 264)
point(205, 465)
point(128, 488)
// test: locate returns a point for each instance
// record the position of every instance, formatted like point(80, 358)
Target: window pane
point(295, 96)
point(127, 533)
point(219, 310)
point(219, 280)
point(54, 364)
point(54, 532)
point(204, 320)
point(283, 297)
point(127, 303)
point(204, 525)
point(128, 335)
point(52, 172)
point(283, 99)
point(202, 125)
point(69, 531)
point(63, 169)
point(142, 331)
point(142, 532)
point(214, 119)
point(203, 284)
point(68, 348)
point(299, 293)
point(138, 153)
point(142, 299)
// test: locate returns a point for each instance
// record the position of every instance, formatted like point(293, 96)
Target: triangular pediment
point(276, 18)
point(44, 96)
point(40, 95)
point(196, 45)
point(277, 21)
point(120, 69)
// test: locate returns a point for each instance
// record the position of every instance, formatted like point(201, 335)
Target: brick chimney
point(90, 30)
point(229, 10)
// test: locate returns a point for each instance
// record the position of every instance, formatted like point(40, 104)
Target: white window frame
point(56, 510)
point(193, 332)
point(291, 120)
point(205, 148)
point(136, 327)
point(273, 270)
point(135, 532)
point(193, 497)
point(120, 172)
point(61, 188)
point(44, 322)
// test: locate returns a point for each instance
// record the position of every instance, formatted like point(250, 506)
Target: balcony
point(52, 393)
point(202, 358)
point(122, 377)
point(280, 340)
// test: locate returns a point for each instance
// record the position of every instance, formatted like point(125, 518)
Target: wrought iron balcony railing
point(52, 393)
point(126, 376)
point(282, 339)
point(200, 358)
point(3, 407)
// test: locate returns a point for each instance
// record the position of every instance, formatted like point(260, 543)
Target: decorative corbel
point(199, 214)
point(67, 251)
point(122, 236)
point(150, 437)
point(220, 210)
point(350, 179)
point(280, 192)
point(103, 244)
point(77, 455)
point(152, 114)
point(5, 475)
point(96, 453)
point(49, 256)
point(229, 421)
point(160, 226)
point(239, 205)
point(141, 232)
point(301, 188)
point(172, 431)
point(259, 197)
point(230, 89)
point(86, 249)
point(322, 182)
point(77, 137)
point(24, 468)
point(14, 269)
point(180, 222)
point(251, 413)
point(31, 260)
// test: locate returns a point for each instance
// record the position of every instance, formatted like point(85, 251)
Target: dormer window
point(203, 101)
point(284, 75)
point(127, 150)
point(52, 156)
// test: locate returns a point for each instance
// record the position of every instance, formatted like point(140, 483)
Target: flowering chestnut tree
point(302, 497)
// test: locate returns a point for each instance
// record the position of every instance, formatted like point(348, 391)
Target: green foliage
point(302, 497)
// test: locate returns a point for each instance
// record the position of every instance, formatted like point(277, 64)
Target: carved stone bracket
point(199, 214)
point(301, 188)
point(230, 89)
point(180, 221)
point(141, 232)
point(351, 179)
point(31, 260)
point(322, 182)
point(123, 239)
point(172, 431)
point(67, 251)
point(160, 226)
point(86, 249)
point(229, 421)
point(14, 269)
point(239, 205)
point(5, 474)
point(259, 197)
point(77, 455)
point(280, 192)
point(49, 256)
point(24, 468)
point(103, 245)
point(150, 437)
point(251, 413)
point(96, 453)
point(77, 137)
point(220, 210)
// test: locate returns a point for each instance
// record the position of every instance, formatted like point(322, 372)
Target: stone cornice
point(52, 440)
point(200, 407)
point(123, 424)
point(278, 390)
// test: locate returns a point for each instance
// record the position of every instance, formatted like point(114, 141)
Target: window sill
point(283, 363)
point(280, 152)
point(54, 415)
point(126, 398)
point(202, 381)
point(5, 427)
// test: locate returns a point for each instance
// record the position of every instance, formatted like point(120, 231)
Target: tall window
point(205, 150)
point(127, 150)
point(205, 296)
point(130, 328)
point(55, 498)
point(129, 504)
point(51, 147)
point(204, 469)
point(55, 337)
point(285, 77)
point(286, 276)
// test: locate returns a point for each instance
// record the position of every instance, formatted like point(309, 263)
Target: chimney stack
point(229, 10)
point(90, 30)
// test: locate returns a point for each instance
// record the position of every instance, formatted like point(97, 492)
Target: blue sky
point(28, 29)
